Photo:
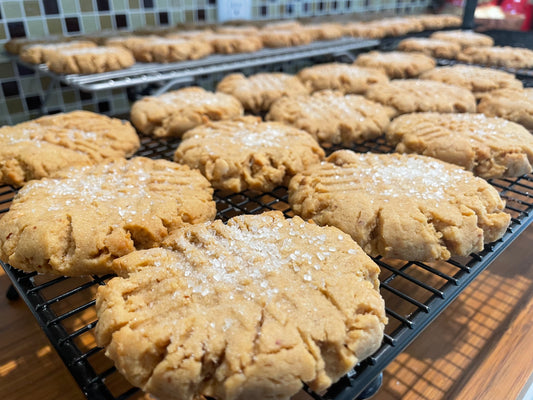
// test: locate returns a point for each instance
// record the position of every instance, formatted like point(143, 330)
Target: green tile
point(119, 5)
point(211, 15)
point(69, 96)
point(176, 17)
point(188, 4)
point(70, 7)
point(134, 4)
point(90, 23)
point(12, 9)
point(14, 105)
point(6, 70)
point(29, 86)
point(36, 28)
point(105, 22)
point(86, 6)
point(45, 81)
point(150, 19)
point(32, 8)
point(136, 21)
point(89, 107)
point(189, 16)
point(3, 35)
point(54, 26)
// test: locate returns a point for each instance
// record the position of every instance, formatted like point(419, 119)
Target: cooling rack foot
point(12, 293)
point(372, 388)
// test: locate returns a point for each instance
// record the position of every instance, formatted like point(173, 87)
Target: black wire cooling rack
point(414, 292)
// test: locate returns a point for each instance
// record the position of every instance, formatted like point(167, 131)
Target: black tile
point(50, 7)
point(121, 21)
point(53, 111)
point(289, 9)
point(104, 106)
point(306, 7)
point(72, 23)
point(33, 102)
point(148, 3)
point(334, 5)
point(321, 5)
point(85, 95)
point(23, 71)
point(347, 4)
point(10, 88)
point(263, 11)
point(102, 5)
point(163, 18)
point(200, 15)
point(0, 14)
point(212, 2)
point(16, 29)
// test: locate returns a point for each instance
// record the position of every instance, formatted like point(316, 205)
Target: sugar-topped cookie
point(514, 105)
point(464, 38)
point(396, 64)
point(419, 95)
point(246, 153)
point(37, 148)
point(257, 92)
point(175, 112)
point(431, 47)
point(489, 147)
point(349, 79)
point(403, 206)
point(331, 117)
point(251, 309)
point(83, 218)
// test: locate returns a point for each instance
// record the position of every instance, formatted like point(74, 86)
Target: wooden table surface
point(480, 347)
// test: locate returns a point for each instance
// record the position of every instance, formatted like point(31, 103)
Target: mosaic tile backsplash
point(22, 90)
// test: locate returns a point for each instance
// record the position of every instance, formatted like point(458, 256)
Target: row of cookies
point(87, 56)
point(213, 279)
point(151, 222)
point(469, 47)
point(293, 291)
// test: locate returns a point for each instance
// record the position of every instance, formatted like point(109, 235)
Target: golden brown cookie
point(489, 147)
point(16, 45)
point(431, 47)
point(80, 220)
point(129, 42)
point(173, 113)
point(506, 56)
point(396, 64)
point(331, 117)
point(403, 206)
point(231, 43)
point(41, 53)
point(257, 92)
point(514, 105)
point(364, 30)
point(164, 50)
point(246, 153)
point(324, 30)
point(464, 38)
point(37, 148)
point(89, 60)
point(478, 80)
point(417, 95)
point(285, 37)
point(349, 79)
point(439, 21)
point(251, 309)
point(237, 29)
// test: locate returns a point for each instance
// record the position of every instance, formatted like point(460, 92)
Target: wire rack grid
point(414, 292)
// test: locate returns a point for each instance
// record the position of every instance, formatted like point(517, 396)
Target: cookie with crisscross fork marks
point(410, 207)
point(489, 147)
point(244, 310)
point(78, 222)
